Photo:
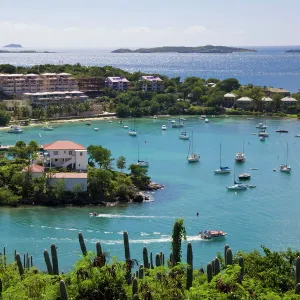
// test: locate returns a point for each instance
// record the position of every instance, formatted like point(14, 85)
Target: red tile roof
point(68, 175)
point(34, 169)
point(63, 145)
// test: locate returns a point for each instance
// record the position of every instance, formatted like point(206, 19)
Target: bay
point(268, 214)
point(269, 66)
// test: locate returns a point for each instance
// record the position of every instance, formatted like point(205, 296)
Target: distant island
point(25, 51)
point(13, 46)
point(182, 49)
point(293, 51)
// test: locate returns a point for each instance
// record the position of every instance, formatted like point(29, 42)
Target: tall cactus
point(161, 258)
point(126, 245)
point(1, 287)
point(241, 264)
point(135, 286)
point(228, 257)
point(19, 263)
point(213, 266)
point(151, 261)
point(178, 234)
point(4, 257)
point(298, 270)
point(31, 261)
point(48, 262)
point(145, 258)
point(157, 260)
point(82, 244)
point(189, 260)
point(225, 249)
point(217, 266)
point(54, 260)
point(141, 272)
point(99, 249)
point(209, 272)
point(63, 290)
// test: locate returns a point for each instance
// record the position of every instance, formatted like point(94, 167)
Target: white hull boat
point(164, 127)
point(15, 129)
point(222, 170)
point(192, 157)
point(184, 136)
point(237, 187)
point(132, 133)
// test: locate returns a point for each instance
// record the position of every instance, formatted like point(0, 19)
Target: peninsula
point(25, 51)
point(293, 51)
point(13, 46)
point(182, 49)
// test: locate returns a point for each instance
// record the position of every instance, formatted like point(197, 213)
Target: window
point(65, 152)
point(80, 153)
point(70, 152)
point(55, 152)
point(55, 159)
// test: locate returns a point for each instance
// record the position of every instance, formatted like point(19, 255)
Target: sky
point(140, 23)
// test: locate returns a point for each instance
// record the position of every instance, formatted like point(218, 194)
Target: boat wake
point(116, 216)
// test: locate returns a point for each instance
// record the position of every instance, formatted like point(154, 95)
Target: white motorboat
point(125, 126)
point(96, 129)
point(206, 120)
point(163, 127)
point(192, 157)
point(132, 132)
point(202, 117)
point(47, 128)
point(14, 129)
point(154, 117)
point(297, 135)
point(172, 121)
point(245, 176)
point(110, 121)
point(263, 133)
point(184, 136)
point(211, 234)
point(262, 138)
point(285, 167)
point(222, 170)
point(240, 156)
point(237, 187)
point(261, 126)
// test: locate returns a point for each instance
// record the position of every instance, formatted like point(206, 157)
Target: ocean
point(269, 66)
point(267, 214)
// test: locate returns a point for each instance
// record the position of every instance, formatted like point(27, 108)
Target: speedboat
point(240, 157)
point(202, 117)
point(172, 121)
point(125, 126)
point(244, 176)
point(47, 128)
point(261, 126)
point(14, 129)
point(109, 121)
point(206, 120)
point(282, 130)
point(143, 164)
point(182, 119)
point(132, 133)
point(88, 123)
point(285, 168)
point(183, 136)
point(177, 125)
point(297, 135)
point(96, 129)
point(163, 127)
point(93, 214)
point(193, 158)
point(237, 187)
point(222, 170)
point(210, 234)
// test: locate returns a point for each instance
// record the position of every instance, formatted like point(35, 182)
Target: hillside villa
point(152, 83)
point(117, 83)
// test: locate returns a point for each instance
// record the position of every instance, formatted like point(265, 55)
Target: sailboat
point(222, 170)
point(237, 186)
point(240, 156)
point(192, 157)
point(132, 131)
point(177, 124)
point(284, 167)
point(141, 163)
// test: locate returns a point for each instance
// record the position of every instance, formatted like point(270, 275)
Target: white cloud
point(37, 35)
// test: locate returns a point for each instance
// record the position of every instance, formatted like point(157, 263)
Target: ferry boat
point(14, 129)
point(211, 234)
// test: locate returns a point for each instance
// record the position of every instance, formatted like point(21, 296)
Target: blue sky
point(138, 23)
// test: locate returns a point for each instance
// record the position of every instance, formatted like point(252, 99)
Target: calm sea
point(270, 66)
point(267, 214)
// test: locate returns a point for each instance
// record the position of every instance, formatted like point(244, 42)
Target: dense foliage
point(4, 117)
point(265, 274)
point(19, 186)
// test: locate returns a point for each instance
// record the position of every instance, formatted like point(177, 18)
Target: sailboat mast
point(220, 157)
point(287, 152)
point(243, 147)
point(138, 151)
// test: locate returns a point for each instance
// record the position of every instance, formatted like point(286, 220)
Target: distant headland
point(13, 46)
point(182, 49)
point(25, 51)
point(293, 51)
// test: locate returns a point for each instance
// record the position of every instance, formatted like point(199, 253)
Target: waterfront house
point(270, 91)
point(34, 170)
point(228, 100)
point(288, 101)
point(267, 103)
point(70, 180)
point(152, 83)
point(65, 154)
point(244, 103)
point(117, 83)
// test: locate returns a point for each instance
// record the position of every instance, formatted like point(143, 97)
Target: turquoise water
point(268, 214)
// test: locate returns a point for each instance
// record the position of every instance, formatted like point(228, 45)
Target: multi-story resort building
point(152, 83)
point(270, 91)
point(117, 83)
point(55, 98)
point(89, 84)
point(229, 100)
point(18, 84)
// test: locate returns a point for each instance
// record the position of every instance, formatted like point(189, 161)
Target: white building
point(117, 83)
point(229, 100)
point(152, 83)
point(244, 102)
point(65, 154)
point(288, 101)
point(70, 180)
